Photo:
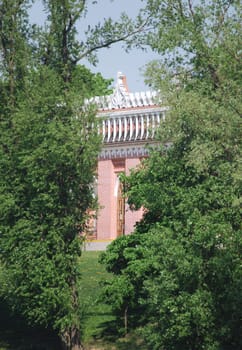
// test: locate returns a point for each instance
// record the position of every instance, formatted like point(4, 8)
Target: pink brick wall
point(108, 172)
point(106, 221)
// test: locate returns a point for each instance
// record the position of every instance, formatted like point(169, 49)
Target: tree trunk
point(71, 339)
point(126, 320)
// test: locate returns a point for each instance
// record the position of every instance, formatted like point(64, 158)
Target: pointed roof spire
point(122, 85)
point(121, 91)
point(122, 98)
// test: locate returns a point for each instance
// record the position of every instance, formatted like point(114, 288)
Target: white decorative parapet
point(122, 98)
point(128, 117)
point(131, 127)
point(125, 100)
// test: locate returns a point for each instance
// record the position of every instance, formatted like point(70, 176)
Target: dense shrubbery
point(182, 266)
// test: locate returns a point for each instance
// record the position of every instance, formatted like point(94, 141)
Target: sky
point(114, 59)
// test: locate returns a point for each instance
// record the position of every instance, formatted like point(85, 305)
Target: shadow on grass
point(15, 334)
point(131, 342)
point(108, 331)
point(111, 333)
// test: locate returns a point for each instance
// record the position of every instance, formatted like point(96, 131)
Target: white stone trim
point(120, 100)
point(130, 127)
point(117, 181)
point(124, 151)
point(114, 130)
point(136, 127)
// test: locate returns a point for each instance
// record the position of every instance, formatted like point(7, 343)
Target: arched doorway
point(120, 210)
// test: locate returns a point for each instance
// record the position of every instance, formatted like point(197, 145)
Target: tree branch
point(190, 8)
point(75, 17)
point(220, 23)
point(181, 9)
point(109, 42)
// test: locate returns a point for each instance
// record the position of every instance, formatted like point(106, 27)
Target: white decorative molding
point(124, 151)
point(121, 98)
point(130, 126)
point(129, 100)
point(127, 119)
point(120, 94)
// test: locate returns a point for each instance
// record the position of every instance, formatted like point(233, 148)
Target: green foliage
point(48, 154)
point(89, 83)
point(99, 325)
point(45, 194)
point(188, 277)
point(124, 258)
point(58, 45)
point(193, 292)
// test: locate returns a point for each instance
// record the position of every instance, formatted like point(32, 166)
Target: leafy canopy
point(185, 264)
point(48, 154)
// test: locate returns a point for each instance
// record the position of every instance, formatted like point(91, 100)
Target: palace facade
point(128, 124)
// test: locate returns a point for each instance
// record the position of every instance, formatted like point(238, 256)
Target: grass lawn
point(98, 314)
point(99, 324)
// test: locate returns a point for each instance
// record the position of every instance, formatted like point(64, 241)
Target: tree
point(59, 46)
point(123, 259)
point(13, 36)
point(47, 193)
point(48, 153)
point(190, 185)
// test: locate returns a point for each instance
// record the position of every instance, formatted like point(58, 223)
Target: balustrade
point(130, 127)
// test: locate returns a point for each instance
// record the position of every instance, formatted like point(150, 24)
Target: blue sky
point(114, 59)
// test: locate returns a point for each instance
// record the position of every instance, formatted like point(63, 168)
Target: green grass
point(98, 314)
point(100, 325)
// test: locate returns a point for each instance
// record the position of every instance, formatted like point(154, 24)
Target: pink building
point(129, 121)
